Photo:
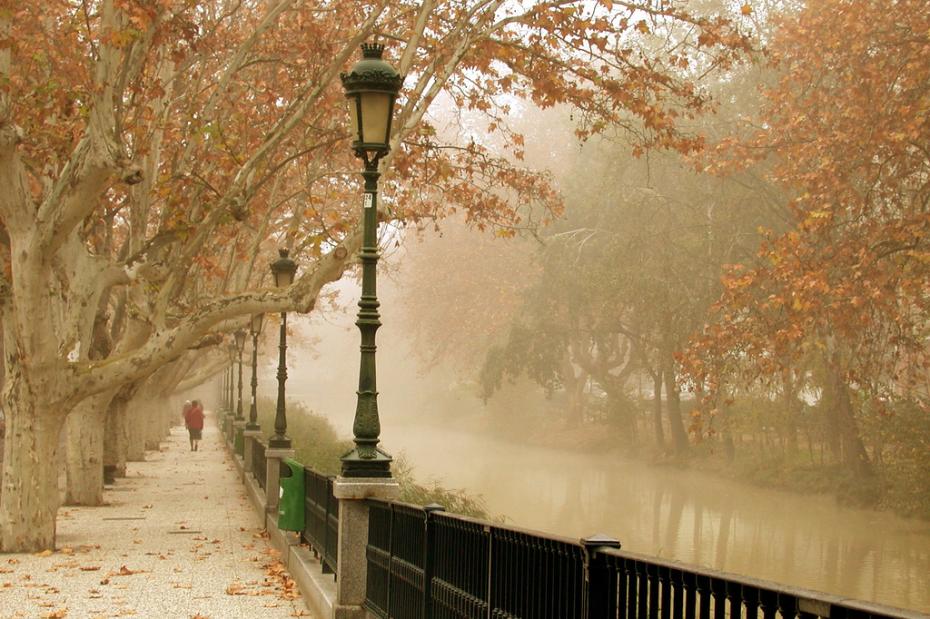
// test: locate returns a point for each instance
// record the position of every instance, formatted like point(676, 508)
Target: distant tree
point(845, 285)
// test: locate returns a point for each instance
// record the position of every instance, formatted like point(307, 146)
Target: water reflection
point(685, 515)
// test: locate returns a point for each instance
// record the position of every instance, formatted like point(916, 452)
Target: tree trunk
point(135, 433)
point(855, 456)
point(84, 452)
point(115, 440)
point(676, 425)
point(152, 422)
point(574, 389)
point(791, 414)
point(29, 501)
point(657, 410)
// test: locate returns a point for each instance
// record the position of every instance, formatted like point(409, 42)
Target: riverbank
point(798, 472)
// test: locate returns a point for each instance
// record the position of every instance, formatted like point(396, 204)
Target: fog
point(428, 417)
point(522, 370)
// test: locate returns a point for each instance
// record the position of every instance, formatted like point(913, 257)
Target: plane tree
point(144, 144)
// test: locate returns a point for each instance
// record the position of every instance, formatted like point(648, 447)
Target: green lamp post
point(231, 351)
point(283, 270)
point(255, 328)
point(371, 88)
point(240, 344)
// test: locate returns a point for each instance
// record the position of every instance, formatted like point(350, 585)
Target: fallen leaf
point(234, 589)
point(89, 568)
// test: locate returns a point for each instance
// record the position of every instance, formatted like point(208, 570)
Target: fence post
point(428, 555)
point(250, 436)
point(351, 558)
point(273, 458)
point(596, 593)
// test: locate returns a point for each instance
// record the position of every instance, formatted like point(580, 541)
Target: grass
point(318, 446)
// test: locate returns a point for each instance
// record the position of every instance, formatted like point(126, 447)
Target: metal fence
point(239, 441)
point(259, 467)
point(227, 426)
point(426, 564)
point(321, 529)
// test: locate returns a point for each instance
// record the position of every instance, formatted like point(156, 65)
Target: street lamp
point(231, 351)
point(283, 270)
point(371, 88)
point(255, 328)
point(240, 344)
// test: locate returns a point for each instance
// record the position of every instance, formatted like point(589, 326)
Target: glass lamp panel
point(256, 326)
point(353, 116)
point(376, 106)
point(240, 340)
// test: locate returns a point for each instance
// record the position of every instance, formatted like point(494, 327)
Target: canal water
point(688, 516)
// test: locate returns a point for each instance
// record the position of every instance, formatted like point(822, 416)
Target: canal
point(689, 516)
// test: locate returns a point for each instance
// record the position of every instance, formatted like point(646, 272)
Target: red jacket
point(194, 418)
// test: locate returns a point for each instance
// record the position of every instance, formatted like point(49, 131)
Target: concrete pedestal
point(273, 459)
point(249, 436)
point(353, 538)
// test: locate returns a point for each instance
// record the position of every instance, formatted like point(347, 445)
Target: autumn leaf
point(745, 9)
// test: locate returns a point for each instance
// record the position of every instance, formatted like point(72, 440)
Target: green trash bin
point(291, 498)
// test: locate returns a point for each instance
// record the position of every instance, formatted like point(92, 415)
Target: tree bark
point(115, 438)
point(657, 410)
point(673, 398)
point(855, 456)
point(84, 430)
point(135, 434)
point(29, 500)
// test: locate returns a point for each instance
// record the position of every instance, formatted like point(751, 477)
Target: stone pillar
point(352, 565)
point(248, 436)
point(239, 426)
point(273, 459)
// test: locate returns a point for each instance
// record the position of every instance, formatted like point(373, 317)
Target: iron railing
point(259, 466)
point(321, 529)
point(227, 426)
point(239, 441)
point(426, 564)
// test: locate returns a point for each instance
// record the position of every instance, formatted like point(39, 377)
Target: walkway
point(178, 539)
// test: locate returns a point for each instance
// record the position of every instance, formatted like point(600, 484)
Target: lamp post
point(371, 88)
point(231, 351)
point(283, 270)
point(255, 328)
point(240, 344)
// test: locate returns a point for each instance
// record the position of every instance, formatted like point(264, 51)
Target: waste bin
point(291, 498)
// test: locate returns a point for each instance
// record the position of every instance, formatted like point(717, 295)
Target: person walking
point(184, 410)
point(193, 419)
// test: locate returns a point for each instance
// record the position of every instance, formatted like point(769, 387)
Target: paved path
point(178, 539)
